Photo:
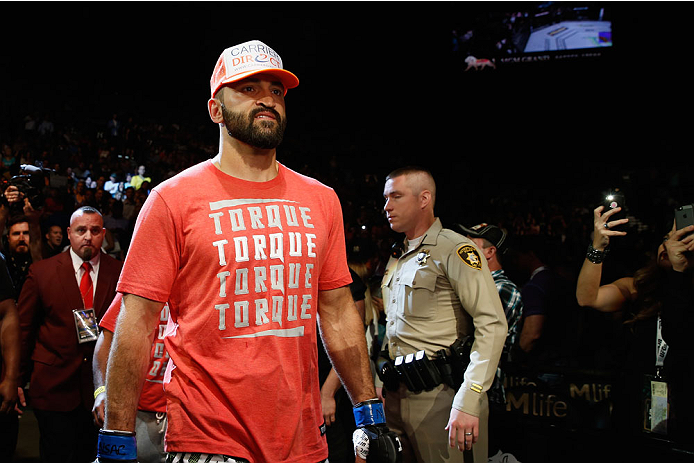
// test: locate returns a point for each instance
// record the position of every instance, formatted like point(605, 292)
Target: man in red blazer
point(59, 307)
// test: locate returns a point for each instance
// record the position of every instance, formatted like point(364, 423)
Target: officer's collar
point(429, 238)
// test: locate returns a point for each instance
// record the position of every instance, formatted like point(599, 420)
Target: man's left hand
point(463, 430)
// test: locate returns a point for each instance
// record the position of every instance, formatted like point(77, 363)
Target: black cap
point(491, 233)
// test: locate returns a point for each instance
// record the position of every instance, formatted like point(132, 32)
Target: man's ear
point(424, 198)
point(490, 252)
point(214, 108)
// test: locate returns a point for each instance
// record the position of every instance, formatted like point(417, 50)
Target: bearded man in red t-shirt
point(249, 255)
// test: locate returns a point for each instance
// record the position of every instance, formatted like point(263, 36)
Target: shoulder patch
point(470, 256)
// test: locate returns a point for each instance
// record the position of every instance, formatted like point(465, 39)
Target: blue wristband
point(369, 413)
point(117, 445)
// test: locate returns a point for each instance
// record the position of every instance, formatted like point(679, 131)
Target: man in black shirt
point(9, 364)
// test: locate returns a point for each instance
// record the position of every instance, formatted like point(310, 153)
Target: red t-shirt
point(241, 264)
point(152, 395)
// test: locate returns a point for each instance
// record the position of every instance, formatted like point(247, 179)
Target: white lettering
point(223, 283)
point(158, 350)
point(217, 224)
point(277, 302)
point(305, 307)
point(290, 215)
point(236, 217)
point(220, 249)
point(256, 216)
point(261, 312)
point(241, 281)
point(277, 277)
point(241, 248)
point(291, 307)
point(293, 282)
point(273, 216)
point(155, 368)
point(305, 217)
point(294, 244)
point(307, 280)
point(259, 247)
point(222, 315)
point(310, 245)
point(260, 277)
point(241, 314)
point(277, 246)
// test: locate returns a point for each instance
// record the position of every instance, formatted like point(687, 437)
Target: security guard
point(435, 290)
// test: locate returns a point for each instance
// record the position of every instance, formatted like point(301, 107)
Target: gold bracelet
point(99, 390)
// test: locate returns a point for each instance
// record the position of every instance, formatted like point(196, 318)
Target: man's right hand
point(463, 430)
point(373, 441)
point(20, 401)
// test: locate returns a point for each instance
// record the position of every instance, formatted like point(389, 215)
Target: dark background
point(379, 88)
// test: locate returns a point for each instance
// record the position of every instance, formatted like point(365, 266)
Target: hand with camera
point(13, 195)
point(116, 447)
point(589, 290)
point(373, 441)
point(604, 227)
point(10, 202)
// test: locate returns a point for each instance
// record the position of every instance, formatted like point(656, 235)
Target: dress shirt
point(79, 271)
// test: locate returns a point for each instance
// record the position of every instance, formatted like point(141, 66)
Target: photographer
point(640, 300)
point(22, 202)
point(678, 317)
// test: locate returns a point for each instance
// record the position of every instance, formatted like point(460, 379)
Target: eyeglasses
point(79, 231)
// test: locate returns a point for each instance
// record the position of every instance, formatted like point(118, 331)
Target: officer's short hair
point(415, 170)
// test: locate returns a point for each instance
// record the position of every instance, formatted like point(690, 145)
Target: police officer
point(438, 290)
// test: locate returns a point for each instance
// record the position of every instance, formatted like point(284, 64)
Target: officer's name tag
point(85, 324)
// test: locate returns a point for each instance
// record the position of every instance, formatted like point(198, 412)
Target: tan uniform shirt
point(440, 291)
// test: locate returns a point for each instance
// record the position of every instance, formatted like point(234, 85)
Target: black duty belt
point(420, 373)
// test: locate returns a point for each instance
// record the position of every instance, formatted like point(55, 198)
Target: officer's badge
point(470, 256)
point(422, 257)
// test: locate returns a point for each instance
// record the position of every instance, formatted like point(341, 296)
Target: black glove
point(372, 439)
point(116, 447)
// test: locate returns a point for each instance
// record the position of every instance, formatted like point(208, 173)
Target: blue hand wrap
point(117, 445)
point(369, 413)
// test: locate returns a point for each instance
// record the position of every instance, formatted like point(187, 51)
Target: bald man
point(437, 291)
point(62, 300)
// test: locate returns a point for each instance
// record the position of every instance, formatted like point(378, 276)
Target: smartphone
point(612, 199)
point(684, 216)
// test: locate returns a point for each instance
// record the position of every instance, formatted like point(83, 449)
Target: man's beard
point(261, 135)
point(87, 254)
point(23, 244)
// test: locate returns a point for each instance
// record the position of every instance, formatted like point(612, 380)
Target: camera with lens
point(30, 184)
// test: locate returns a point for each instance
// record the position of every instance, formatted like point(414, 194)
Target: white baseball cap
point(246, 59)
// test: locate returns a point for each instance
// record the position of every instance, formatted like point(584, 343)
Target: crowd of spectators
point(113, 165)
point(100, 164)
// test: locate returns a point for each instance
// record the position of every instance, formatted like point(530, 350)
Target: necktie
point(86, 286)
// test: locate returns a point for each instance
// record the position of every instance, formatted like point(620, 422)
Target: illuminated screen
point(525, 32)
